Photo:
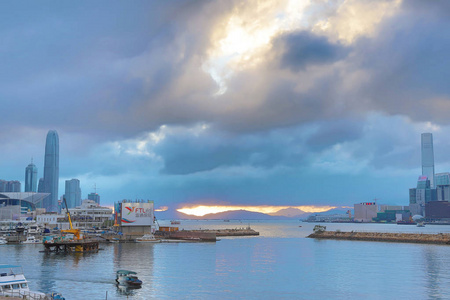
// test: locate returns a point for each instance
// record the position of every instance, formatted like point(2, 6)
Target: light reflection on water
point(280, 264)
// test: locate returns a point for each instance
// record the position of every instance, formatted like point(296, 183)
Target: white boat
point(14, 284)
point(3, 240)
point(148, 238)
point(31, 239)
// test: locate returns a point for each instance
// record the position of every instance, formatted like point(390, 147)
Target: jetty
point(420, 238)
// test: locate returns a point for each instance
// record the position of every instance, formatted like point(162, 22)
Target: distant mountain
point(291, 213)
point(232, 215)
point(241, 215)
point(170, 214)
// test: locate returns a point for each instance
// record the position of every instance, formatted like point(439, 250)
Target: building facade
point(428, 157)
point(31, 178)
point(442, 181)
point(73, 193)
point(11, 186)
point(94, 197)
point(365, 212)
point(51, 171)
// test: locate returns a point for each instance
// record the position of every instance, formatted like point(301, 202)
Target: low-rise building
point(365, 211)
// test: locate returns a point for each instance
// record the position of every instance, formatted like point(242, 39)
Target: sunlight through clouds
point(202, 210)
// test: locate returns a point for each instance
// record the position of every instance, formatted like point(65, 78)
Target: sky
point(227, 103)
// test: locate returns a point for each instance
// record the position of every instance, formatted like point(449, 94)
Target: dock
point(420, 238)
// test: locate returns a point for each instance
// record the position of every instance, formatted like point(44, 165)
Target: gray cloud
point(302, 49)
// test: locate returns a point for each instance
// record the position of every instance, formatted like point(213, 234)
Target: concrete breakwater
point(422, 238)
point(230, 232)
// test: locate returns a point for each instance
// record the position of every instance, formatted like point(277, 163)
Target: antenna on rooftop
point(95, 188)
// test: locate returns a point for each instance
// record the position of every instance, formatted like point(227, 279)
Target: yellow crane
point(75, 232)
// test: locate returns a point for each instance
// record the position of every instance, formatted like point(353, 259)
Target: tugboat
point(128, 278)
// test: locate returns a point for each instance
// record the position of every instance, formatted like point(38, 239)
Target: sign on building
point(137, 214)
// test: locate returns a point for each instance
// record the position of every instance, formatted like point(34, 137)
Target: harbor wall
point(440, 238)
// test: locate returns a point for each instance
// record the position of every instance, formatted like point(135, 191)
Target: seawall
point(440, 238)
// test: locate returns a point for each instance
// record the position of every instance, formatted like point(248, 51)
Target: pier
point(421, 238)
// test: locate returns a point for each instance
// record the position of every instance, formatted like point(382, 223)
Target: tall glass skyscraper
point(31, 178)
point(428, 157)
point(73, 193)
point(51, 171)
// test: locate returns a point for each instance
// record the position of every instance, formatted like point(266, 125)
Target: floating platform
point(71, 246)
point(421, 238)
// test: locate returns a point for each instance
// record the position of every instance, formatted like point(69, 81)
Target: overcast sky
point(227, 102)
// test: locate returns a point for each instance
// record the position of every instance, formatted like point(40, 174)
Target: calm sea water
point(279, 264)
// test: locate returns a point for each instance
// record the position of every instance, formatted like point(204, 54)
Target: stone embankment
point(230, 232)
point(440, 238)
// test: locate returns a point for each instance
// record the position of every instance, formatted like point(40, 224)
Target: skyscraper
point(428, 157)
point(51, 171)
point(31, 178)
point(73, 193)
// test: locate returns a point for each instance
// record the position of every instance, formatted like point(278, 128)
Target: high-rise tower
point(31, 178)
point(51, 171)
point(428, 157)
point(73, 193)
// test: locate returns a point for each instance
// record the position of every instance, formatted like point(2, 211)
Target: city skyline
point(280, 103)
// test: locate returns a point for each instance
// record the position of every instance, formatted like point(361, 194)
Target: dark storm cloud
point(302, 49)
point(409, 66)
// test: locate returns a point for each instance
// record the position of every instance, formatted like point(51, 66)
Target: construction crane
point(75, 232)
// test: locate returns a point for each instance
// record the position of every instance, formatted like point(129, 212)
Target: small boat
point(420, 224)
point(148, 238)
point(129, 278)
point(31, 239)
point(3, 241)
point(14, 284)
point(174, 222)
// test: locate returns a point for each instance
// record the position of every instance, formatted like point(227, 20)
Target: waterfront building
point(12, 186)
point(421, 195)
point(442, 181)
point(88, 215)
point(95, 197)
point(73, 193)
point(31, 178)
point(51, 171)
point(134, 217)
point(13, 205)
point(437, 211)
point(365, 212)
point(428, 157)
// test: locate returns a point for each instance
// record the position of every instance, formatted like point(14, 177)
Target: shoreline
point(418, 238)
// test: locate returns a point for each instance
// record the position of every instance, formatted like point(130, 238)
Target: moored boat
point(14, 284)
point(31, 239)
point(148, 238)
point(3, 241)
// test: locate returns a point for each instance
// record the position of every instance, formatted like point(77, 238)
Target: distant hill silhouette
point(291, 212)
point(232, 215)
point(288, 213)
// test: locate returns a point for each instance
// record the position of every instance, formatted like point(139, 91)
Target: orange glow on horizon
point(202, 210)
point(162, 208)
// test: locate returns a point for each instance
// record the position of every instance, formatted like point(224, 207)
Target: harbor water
point(281, 263)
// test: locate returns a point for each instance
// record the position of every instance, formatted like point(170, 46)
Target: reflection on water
point(279, 264)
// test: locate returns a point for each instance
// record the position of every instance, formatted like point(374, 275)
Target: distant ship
point(406, 223)
point(173, 222)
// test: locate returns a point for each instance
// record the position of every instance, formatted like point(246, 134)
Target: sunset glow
point(202, 210)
